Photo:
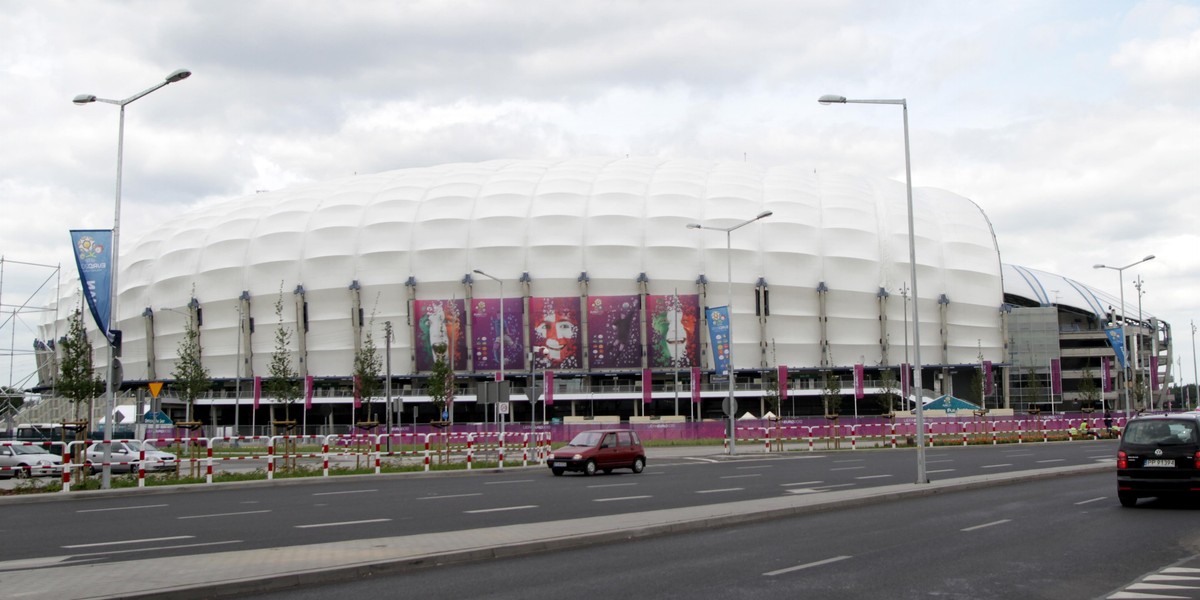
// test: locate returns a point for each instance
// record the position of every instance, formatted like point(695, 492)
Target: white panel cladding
point(553, 219)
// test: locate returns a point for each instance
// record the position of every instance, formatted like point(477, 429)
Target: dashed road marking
point(805, 566)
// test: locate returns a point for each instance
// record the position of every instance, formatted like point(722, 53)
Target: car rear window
point(1161, 432)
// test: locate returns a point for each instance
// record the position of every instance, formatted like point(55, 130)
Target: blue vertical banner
point(718, 333)
point(1116, 339)
point(93, 257)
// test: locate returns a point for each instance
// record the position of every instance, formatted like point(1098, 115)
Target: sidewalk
point(273, 569)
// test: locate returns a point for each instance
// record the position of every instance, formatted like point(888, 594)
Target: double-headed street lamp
point(912, 261)
point(1124, 341)
point(729, 309)
point(178, 75)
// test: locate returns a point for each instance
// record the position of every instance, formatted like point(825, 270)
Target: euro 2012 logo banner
point(440, 322)
point(674, 330)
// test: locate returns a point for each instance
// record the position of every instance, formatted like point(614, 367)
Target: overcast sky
point(1075, 125)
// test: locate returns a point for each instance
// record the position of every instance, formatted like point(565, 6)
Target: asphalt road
point(1056, 539)
point(241, 517)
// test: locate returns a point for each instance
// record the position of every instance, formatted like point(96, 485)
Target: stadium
point(612, 274)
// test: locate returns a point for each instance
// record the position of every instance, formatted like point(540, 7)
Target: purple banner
point(614, 337)
point(1055, 376)
point(485, 325)
point(695, 385)
point(646, 381)
point(1106, 376)
point(1154, 373)
point(783, 383)
point(905, 374)
point(674, 336)
point(554, 332)
point(858, 381)
point(989, 379)
point(439, 322)
point(548, 376)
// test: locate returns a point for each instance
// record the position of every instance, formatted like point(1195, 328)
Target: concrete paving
point(275, 569)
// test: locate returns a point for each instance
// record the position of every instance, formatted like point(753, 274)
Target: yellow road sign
point(155, 388)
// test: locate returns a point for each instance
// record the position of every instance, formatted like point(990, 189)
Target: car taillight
point(1196, 461)
point(1123, 459)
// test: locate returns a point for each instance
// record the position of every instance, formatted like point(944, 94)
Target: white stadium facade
point(605, 285)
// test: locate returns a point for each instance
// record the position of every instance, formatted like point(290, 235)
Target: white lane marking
point(757, 467)
point(1101, 457)
point(996, 466)
point(718, 491)
point(872, 476)
point(91, 510)
point(1000, 522)
point(141, 541)
point(491, 510)
point(449, 496)
point(1166, 577)
point(507, 482)
point(608, 485)
point(1161, 586)
point(708, 460)
point(805, 566)
point(846, 468)
point(1180, 570)
point(46, 561)
point(941, 471)
point(835, 485)
point(850, 460)
point(621, 498)
point(1050, 460)
point(231, 514)
point(344, 492)
point(938, 461)
point(1090, 501)
point(342, 523)
point(1013, 454)
point(800, 483)
point(741, 476)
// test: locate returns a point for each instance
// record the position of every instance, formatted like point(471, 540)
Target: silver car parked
point(18, 459)
point(126, 456)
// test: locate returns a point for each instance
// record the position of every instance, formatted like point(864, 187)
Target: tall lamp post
point(501, 334)
point(1124, 340)
point(177, 75)
point(1194, 375)
point(912, 262)
point(729, 308)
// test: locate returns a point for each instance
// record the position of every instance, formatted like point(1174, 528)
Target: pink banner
point(989, 379)
point(357, 394)
point(904, 377)
point(1154, 373)
point(257, 390)
point(783, 383)
point(646, 380)
point(308, 391)
point(695, 385)
point(858, 381)
point(549, 379)
point(1105, 376)
point(1056, 376)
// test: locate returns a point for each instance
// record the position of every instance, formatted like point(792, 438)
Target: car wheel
point(590, 468)
point(558, 472)
point(1127, 500)
point(24, 472)
point(639, 464)
point(91, 469)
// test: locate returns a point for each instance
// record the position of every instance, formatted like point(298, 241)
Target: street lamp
point(729, 308)
point(177, 75)
point(1124, 342)
point(1194, 377)
point(912, 262)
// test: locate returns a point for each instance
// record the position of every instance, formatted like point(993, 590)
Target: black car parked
point(1159, 456)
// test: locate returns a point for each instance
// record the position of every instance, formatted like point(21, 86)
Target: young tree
point(441, 381)
point(1035, 394)
point(367, 367)
point(887, 394)
point(831, 394)
point(77, 380)
point(1089, 392)
point(191, 377)
point(283, 381)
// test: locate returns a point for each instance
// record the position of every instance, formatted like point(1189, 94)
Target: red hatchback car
point(600, 450)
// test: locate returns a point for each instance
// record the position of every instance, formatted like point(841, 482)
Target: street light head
point(764, 214)
point(477, 271)
point(178, 75)
point(832, 99)
point(1099, 267)
point(1151, 257)
point(694, 226)
point(84, 99)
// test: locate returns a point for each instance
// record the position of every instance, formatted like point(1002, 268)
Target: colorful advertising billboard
point(554, 332)
point(485, 327)
point(674, 330)
point(93, 256)
point(718, 330)
point(614, 337)
point(439, 322)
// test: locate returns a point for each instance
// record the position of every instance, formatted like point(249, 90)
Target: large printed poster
point(718, 330)
point(674, 334)
point(614, 338)
point(485, 327)
point(440, 322)
point(554, 332)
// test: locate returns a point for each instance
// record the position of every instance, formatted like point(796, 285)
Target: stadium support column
point(943, 310)
point(823, 320)
point(410, 286)
point(884, 341)
point(301, 331)
point(762, 309)
point(148, 319)
point(1005, 382)
point(525, 282)
point(643, 284)
point(702, 290)
point(246, 330)
point(468, 283)
point(356, 315)
point(583, 319)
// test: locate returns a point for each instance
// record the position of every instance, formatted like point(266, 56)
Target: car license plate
point(1157, 462)
point(560, 464)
